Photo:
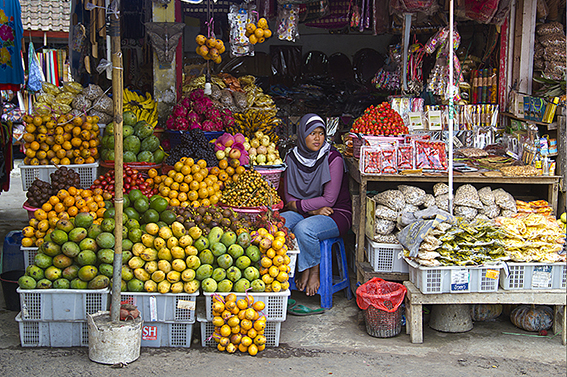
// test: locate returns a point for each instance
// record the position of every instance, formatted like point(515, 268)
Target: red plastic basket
point(31, 210)
point(271, 175)
point(250, 213)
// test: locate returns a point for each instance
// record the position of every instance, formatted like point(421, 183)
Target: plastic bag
point(288, 25)
point(393, 199)
point(92, 92)
point(104, 104)
point(486, 196)
point(429, 201)
point(238, 17)
point(383, 212)
point(412, 195)
point(35, 76)
point(440, 189)
point(384, 227)
point(381, 294)
point(467, 195)
point(504, 200)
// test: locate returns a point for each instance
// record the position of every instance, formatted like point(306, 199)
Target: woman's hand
point(325, 211)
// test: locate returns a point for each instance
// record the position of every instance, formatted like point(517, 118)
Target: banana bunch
point(144, 107)
point(254, 120)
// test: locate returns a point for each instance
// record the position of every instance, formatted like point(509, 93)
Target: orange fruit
point(173, 194)
point(100, 212)
point(223, 164)
point(194, 185)
point(72, 211)
point(152, 173)
point(188, 179)
point(214, 171)
point(174, 186)
point(87, 194)
point(174, 202)
point(198, 177)
point(203, 193)
point(188, 161)
point(184, 187)
point(192, 195)
point(59, 207)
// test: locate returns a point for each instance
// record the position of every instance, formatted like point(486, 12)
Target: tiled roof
point(46, 15)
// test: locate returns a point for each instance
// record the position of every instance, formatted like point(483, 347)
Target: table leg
point(552, 195)
point(416, 332)
point(408, 315)
point(564, 329)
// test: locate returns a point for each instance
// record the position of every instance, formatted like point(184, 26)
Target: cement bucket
point(451, 318)
point(111, 343)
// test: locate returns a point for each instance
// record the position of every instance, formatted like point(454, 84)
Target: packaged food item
point(382, 226)
point(413, 195)
point(440, 189)
point(405, 157)
point(386, 213)
point(468, 213)
point(486, 196)
point(393, 199)
point(504, 200)
point(288, 16)
point(467, 195)
point(430, 155)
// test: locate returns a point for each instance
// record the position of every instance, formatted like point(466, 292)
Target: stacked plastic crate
point(58, 317)
point(168, 318)
point(275, 311)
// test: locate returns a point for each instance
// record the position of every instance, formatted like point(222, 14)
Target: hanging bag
point(35, 77)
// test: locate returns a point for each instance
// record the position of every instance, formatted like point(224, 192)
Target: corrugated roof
point(46, 15)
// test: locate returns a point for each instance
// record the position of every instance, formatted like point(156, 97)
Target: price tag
point(460, 280)
point(153, 309)
point(492, 274)
point(185, 304)
point(541, 277)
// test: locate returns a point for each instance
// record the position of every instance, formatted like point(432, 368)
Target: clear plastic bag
point(80, 102)
point(469, 213)
point(238, 18)
point(491, 211)
point(104, 104)
point(288, 16)
point(412, 195)
point(382, 226)
point(440, 189)
point(386, 213)
point(442, 201)
point(393, 199)
point(486, 196)
point(92, 92)
point(504, 200)
point(429, 201)
point(467, 195)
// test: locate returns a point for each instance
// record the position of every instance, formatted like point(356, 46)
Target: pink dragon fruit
point(186, 103)
point(170, 123)
point(194, 124)
point(179, 111)
point(182, 124)
point(200, 107)
point(193, 117)
point(196, 94)
point(214, 114)
point(208, 126)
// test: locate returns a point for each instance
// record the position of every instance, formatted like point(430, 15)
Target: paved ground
point(334, 343)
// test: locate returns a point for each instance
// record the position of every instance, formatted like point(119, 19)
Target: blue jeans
point(309, 232)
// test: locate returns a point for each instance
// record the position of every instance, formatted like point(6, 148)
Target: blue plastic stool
point(329, 283)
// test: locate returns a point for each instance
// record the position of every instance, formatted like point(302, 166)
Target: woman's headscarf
point(307, 170)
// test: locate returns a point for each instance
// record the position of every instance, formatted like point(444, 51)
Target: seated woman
point(318, 204)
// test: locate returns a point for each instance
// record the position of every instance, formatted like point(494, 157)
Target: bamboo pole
point(117, 87)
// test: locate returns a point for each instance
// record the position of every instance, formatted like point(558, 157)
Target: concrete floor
point(341, 331)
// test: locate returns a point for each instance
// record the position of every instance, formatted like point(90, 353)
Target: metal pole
point(451, 104)
point(117, 87)
point(405, 45)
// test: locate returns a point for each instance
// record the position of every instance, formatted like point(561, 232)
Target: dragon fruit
point(179, 111)
point(214, 114)
point(185, 102)
point(182, 124)
point(208, 126)
point(200, 107)
point(196, 94)
point(193, 117)
point(170, 123)
point(193, 124)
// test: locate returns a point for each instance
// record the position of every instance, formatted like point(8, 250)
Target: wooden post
point(117, 87)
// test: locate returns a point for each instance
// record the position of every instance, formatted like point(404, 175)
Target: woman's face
point(315, 140)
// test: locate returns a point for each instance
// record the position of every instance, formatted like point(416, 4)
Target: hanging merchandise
point(428, 7)
point(481, 10)
point(11, 31)
point(339, 16)
point(313, 11)
point(288, 16)
point(35, 75)
point(165, 37)
point(258, 32)
point(415, 68)
point(238, 18)
point(380, 17)
point(388, 77)
point(438, 78)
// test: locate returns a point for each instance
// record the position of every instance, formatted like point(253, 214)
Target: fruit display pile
point(199, 111)
point(208, 217)
point(258, 33)
point(144, 107)
point(132, 180)
point(231, 147)
point(139, 142)
point(75, 255)
point(60, 140)
point(380, 120)
point(191, 183)
point(210, 48)
point(263, 150)
point(250, 190)
point(239, 324)
point(256, 120)
point(192, 144)
point(39, 193)
point(63, 178)
point(64, 205)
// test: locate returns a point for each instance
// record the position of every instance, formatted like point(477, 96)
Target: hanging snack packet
point(238, 18)
point(288, 16)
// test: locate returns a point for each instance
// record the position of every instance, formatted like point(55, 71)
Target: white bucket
point(111, 343)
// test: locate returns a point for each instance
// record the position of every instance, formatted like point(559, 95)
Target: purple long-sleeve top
point(335, 195)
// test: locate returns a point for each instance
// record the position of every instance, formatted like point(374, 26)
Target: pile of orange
point(274, 264)
point(62, 140)
point(210, 48)
point(65, 205)
point(191, 183)
point(258, 33)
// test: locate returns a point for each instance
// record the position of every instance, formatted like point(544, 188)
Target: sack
point(381, 294)
point(35, 77)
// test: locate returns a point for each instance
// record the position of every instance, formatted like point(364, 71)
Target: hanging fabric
point(11, 32)
point(338, 18)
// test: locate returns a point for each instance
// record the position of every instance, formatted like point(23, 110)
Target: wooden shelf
point(512, 116)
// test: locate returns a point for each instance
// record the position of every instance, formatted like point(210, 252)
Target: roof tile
point(46, 15)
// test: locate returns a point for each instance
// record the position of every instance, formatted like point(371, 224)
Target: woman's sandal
point(303, 310)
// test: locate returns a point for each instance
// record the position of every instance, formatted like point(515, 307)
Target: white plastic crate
point(271, 332)
point(168, 307)
point(275, 303)
point(166, 334)
point(87, 173)
point(53, 333)
point(61, 304)
point(293, 254)
point(534, 276)
point(29, 255)
point(385, 257)
point(454, 279)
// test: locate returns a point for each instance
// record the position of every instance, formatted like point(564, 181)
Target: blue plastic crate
point(11, 257)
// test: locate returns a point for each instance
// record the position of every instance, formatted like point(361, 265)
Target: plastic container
point(271, 175)
point(534, 276)
point(29, 254)
point(271, 332)
point(382, 324)
point(357, 142)
point(31, 210)
point(53, 333)
point(61, 304)
point(384, 257)
point(168, 307)
point(87, 173)
point(454, 279)
point(275, 303)
point(11, 258)
point(250, 213)
point(167, 334)
point(9, 281)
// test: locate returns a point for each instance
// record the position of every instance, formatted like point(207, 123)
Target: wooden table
point(360, 183)
point(415, 301)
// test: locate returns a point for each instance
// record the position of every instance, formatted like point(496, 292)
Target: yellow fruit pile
point(64, 140)
point(191, 183)
point(65, 205)
point(210, 48)
point(274, 264)
point(258, 33)
point(238, 324)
